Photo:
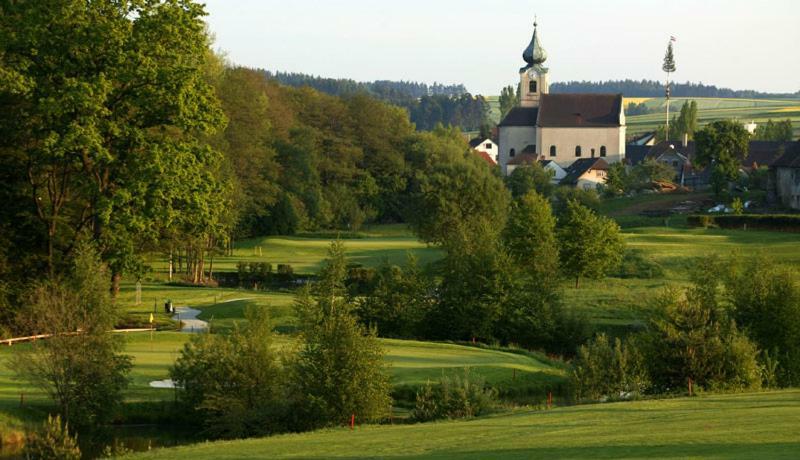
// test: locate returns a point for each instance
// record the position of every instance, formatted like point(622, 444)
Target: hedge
point(775, 222)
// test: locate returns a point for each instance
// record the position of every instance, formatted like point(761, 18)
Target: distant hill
point(398, 92)
point(652, 88)
point(427, 104)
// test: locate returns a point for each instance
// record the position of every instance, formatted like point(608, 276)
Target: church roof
point(765, 153)
point(580, 110)
point(790, 159)
point(521, 116)
point(580, 167)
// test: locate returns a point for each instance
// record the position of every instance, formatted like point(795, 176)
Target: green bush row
point(777, 222)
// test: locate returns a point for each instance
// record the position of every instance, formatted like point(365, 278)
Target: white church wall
point(566, 139)
point(517, 138)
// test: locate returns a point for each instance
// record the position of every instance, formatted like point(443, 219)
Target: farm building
point(559, 127)
point(784, 178)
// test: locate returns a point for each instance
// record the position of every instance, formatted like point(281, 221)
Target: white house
point(485, 145)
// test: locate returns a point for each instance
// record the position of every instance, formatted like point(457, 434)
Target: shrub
point(235, 383)
point(339, 368)
point(83, 373)
point(611, 371)
point(775, 222)
point(52, 442)
point(636, 265)
point(454, 397)
point(691, 337)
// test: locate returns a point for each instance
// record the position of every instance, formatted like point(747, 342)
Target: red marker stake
point(352, 421)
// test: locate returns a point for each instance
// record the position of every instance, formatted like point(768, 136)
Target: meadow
point(753, 425)
point(712, 109)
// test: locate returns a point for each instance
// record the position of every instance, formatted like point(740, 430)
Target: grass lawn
point(756, 425)
point(410, 363)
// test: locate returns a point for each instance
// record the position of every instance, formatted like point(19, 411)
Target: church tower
point(533, 77)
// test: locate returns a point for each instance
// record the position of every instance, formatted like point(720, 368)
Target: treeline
point(304, 160)
point(387, 90)
point(427, 105)
point(176, 153)
point(653, 88)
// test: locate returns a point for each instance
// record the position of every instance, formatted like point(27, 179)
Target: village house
point(486, 146)
point(784, 178)
point(586, 174)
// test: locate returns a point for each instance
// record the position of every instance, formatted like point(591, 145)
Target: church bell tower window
point(532, 86)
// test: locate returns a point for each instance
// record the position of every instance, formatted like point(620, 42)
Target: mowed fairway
point(409, 363)
point(757, 425)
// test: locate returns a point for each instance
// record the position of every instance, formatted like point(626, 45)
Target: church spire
point(534, 55)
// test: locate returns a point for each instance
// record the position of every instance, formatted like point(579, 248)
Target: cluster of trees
point(684, 123)
point(242, 385)
point(722, 145)
point(780, 131)
point(465, 111)
point(509, 98)
point(143, 150)
point(735, 328)
point(427, 105)
point(653, 88)
point(621, 180)
point(504, 259)
point(637, 108)
point(104, 134)
point(396, 92)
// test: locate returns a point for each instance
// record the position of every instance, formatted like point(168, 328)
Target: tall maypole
point(668, 67)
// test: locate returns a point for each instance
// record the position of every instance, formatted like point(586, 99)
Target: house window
point(511, 153)
point(602, 150)
point(674, 163)
point(578, 151)
point(552, 150)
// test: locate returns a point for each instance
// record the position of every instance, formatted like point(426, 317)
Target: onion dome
point(534, 55)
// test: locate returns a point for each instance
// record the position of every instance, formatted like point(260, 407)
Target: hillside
point(767, 425)
point(711, 109)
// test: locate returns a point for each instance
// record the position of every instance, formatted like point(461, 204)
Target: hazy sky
point(728, 43)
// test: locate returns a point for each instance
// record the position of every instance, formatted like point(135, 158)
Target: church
point(561, 128)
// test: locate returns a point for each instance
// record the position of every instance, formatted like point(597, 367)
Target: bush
point(52, 442)
point(85, 373)
point(605, 371)
point(236, 382)
point(774, 222)
point(636, 265)
point(454, 397)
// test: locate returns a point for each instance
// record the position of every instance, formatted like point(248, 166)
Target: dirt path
point(189, 321)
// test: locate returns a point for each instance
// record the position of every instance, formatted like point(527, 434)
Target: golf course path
point(190, 323)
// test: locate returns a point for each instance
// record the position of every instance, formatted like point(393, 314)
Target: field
point(711, 109)
point(758, 425)
point(614, 305)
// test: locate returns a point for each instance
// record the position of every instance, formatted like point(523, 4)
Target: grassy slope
point(711, 109)
point(763, 425)
point(410, 363)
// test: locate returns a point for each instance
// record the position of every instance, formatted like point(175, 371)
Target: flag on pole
point(151, 318)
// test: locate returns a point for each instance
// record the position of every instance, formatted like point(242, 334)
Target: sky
point(727, 43)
